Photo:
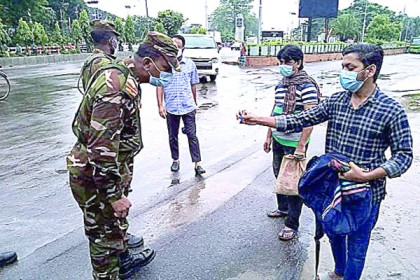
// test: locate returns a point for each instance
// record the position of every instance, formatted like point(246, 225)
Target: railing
point(265, 50)
point(47, 50)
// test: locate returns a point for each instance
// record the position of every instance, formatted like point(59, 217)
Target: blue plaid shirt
point(178, 95)
point(362, 134)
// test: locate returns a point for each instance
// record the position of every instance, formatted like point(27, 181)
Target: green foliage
point(129, 31)
point(223, 18)
point(171, 21)
point(76, 32)
point(23, 34)
point(119, 27)
point(346, 26)
point(160, 28)
point(198, 30)
point(40, 36)
point(382, 28)
point(56, 37)
point(4, 38)
point(85, 27)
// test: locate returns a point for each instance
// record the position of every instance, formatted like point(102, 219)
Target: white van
point(203, 50)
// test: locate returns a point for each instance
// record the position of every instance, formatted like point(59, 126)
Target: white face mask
point(180, 52)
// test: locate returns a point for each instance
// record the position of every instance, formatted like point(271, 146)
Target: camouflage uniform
point(108, 130)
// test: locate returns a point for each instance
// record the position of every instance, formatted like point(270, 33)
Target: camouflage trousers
point(106, 233)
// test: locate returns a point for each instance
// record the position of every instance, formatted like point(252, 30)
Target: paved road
point(213, 228)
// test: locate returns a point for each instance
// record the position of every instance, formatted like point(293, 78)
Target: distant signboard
point(318, 9)
point(272, 34)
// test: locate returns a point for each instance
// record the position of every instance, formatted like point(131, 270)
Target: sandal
point(282, 234)
point(329, 276)
point(277, 214)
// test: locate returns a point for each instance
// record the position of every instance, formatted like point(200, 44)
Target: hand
point(121, 207)
point(267, 145)
point(246, 118)
point(162, 111)
point(300, 150)
point(355, 174)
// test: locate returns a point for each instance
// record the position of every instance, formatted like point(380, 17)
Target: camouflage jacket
point(108, 129)
point(96, 60)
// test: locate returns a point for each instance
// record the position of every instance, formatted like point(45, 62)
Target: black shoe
point(134, 241)
point(132, 262)
point(7, 258)
point(199, 170)
point(175, 166)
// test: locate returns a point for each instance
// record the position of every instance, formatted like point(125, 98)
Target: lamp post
point(364, 21)
point(259, 23)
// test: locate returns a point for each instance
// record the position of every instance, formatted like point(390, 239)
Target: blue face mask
point(348, 81)
point(286, 70)
point(165, 78)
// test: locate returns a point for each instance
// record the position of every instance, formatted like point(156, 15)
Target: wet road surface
point(203, 228)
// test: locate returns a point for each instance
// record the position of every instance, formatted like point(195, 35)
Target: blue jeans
point(349, 251)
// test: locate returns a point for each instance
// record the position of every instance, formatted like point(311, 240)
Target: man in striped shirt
point(363, 123)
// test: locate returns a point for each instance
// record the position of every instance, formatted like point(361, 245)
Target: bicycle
point(4, 86)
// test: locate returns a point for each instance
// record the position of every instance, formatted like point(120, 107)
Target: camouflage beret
point(165, 46)
point(99, 25)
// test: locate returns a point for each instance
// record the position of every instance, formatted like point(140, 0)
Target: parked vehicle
point(235, 46)
point(203, 50)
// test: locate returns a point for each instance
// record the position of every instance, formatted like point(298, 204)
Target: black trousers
point(290, 204)
point(173, 122)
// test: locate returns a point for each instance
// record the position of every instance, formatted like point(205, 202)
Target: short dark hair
point(291, 52)
point(100, 36)
point(180, 38)
point(368, 54)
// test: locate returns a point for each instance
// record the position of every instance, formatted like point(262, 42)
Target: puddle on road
point(411, 102)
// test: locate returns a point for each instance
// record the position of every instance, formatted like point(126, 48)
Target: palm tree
point(346, 26)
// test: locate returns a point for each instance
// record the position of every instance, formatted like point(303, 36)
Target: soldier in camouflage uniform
point(108, 130)
point(105, 38)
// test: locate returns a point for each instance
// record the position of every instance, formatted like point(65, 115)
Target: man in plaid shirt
point(363, 123)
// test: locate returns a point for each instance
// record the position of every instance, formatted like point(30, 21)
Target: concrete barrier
point(46, 59)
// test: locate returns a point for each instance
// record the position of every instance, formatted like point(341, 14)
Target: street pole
point(259, 23)
point(364, 21)
point(308, 39)
point(326, 31)
point(206, 16)
point(147, 10)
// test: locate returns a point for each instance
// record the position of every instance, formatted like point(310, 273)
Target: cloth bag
point(291, 169)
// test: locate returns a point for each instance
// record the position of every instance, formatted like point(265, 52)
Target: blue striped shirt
point(178, 95)
point(362, 134)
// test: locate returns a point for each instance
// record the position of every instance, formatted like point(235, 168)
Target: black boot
point(134, 241)
point(132, 262)
point(7, 258)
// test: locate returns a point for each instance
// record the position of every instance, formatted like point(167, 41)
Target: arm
point(194, 93)
point(306, 133)
point(159, 97)
point(401, 144)
point(311, 117)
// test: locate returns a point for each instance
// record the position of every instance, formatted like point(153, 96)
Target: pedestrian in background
point(296, 92)
point(108, 130)
point(243, 51)
point(180, 102)
point(363, 122)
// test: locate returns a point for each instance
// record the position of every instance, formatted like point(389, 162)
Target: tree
point(198, 30)
point(346, 26)
point(223, 18)
point(85, 27)
point(381, 28)
point(171, 20)
point(160, 28)
point(130, 30)
point(76, 32)
point(40, 37)
point(4, 38)
point(56, 37)
point(23, 34)
point(119, 27)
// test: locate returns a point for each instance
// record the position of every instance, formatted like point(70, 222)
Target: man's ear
point(147, 64)
point(371, 70)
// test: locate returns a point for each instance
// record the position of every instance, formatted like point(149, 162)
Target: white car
point(203, 50)
point(235, 46)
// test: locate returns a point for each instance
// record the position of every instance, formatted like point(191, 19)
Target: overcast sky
point(276, 13)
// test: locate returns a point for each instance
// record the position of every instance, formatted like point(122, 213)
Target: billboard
point(272, 34)
point(318, 9)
